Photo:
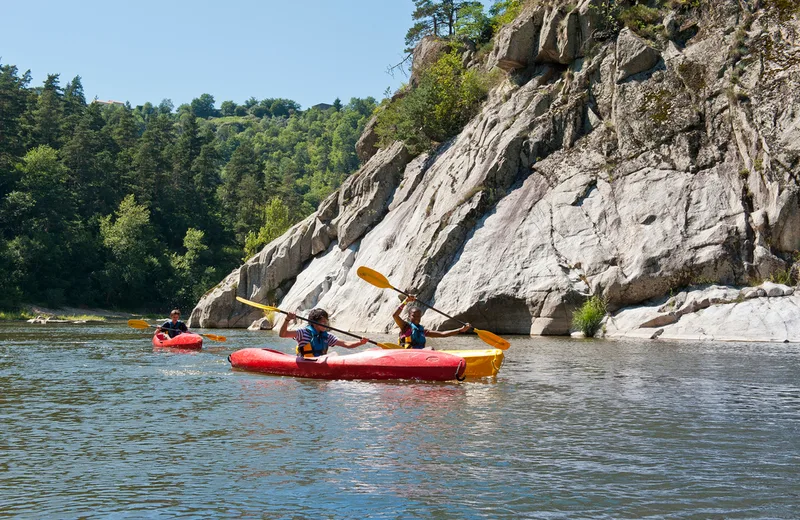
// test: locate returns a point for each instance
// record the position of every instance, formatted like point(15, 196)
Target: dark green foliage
point(13, 104)
point(147, 208)
point(447, 97)
point(643, 20)
point(203, 107)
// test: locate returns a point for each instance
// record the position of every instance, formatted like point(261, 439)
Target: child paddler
point(412, 333)
point(174, 326)
point(314, 340)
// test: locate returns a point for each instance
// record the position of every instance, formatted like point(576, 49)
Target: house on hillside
point(110, 102)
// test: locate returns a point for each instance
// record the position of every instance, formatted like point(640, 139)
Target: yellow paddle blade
point(373, 277)
point(492, 339)
point(258, 305)
point(139, 324)
point(389, 346)
point(214, 337)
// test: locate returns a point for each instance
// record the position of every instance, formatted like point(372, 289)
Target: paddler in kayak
point(174, 325)
point(412, 333)
point(314, 340)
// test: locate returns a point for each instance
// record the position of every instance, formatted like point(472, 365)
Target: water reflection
point(97, 423)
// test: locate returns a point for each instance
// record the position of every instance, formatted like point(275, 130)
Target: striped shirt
point(303, 337)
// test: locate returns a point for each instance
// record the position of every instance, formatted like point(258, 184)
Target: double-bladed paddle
point(275, 309)
point(378, 280)
point(141, 324)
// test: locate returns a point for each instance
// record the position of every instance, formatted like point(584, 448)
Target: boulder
point(367, 144)
point(634, 55)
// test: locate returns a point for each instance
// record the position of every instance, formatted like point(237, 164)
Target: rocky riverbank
point(770, 312)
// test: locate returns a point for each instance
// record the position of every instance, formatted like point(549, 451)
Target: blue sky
point(310, 51)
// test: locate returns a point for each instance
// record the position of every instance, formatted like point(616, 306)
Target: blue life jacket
point(413, 336)
point(173, 331)
point(318, 346)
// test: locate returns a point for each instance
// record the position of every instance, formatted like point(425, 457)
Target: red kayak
point(423, 365)
point(186, 340)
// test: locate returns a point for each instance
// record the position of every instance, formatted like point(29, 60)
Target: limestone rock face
point(630, 172)
point(715, 313)
point(543, 33)
point(364, 197)
point(634, 55)
point(367, 144)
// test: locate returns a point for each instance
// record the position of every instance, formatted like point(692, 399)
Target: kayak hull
point(480, 363)
point(187, 341)
point(421, 365)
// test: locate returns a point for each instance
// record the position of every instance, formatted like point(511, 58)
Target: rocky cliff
point(605, 163)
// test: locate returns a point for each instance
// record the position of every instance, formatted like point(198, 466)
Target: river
point(95, 423)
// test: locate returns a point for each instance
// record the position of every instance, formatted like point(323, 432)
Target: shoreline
point(67, 314)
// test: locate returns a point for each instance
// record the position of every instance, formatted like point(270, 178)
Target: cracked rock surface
point(615, 167)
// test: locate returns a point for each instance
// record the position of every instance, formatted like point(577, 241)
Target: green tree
point(48, 113)
point(89, 156)
point(42, 220)
point(192, 269)
point(203, 107)
point(166, 106)
point(227, 108)
point(503, 12)
point(276, 222)
point(13, 104)
point(133, 269)
point(434, 18)
point(241, 192)
point(473, 23)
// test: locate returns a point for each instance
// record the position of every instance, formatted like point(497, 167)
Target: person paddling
point(412, 333)
point(174, 325)
point(314, 340)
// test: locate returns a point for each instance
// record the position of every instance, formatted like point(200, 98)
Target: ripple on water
point(97, 423)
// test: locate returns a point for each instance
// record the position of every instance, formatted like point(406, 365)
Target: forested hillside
point(146, 208)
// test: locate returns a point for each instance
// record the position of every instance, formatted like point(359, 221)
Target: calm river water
point(97, 424)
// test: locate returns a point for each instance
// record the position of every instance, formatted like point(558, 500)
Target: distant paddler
point(174, 326)
point(412, 333)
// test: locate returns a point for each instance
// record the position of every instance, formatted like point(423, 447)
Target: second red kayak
point(187, 341)
point(422, 365)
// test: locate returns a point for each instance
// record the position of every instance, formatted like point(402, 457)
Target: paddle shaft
point(329, 327)
point(141, 324)
point(428, 306)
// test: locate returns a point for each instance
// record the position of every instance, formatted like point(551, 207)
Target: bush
point(587, 319)
point(447, 97)
point(643, 20)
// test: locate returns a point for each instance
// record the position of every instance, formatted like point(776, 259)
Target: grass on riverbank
point(15, 315)
point(590, 316)
point(82, 317)
point(27, 315)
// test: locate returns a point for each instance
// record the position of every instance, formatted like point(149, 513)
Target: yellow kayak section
point(481, 363)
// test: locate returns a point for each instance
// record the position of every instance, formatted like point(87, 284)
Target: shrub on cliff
point(447, 97)
point(588, 318)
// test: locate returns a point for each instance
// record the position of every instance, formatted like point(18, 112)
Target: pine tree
point(13, 104)
point(48, 113)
